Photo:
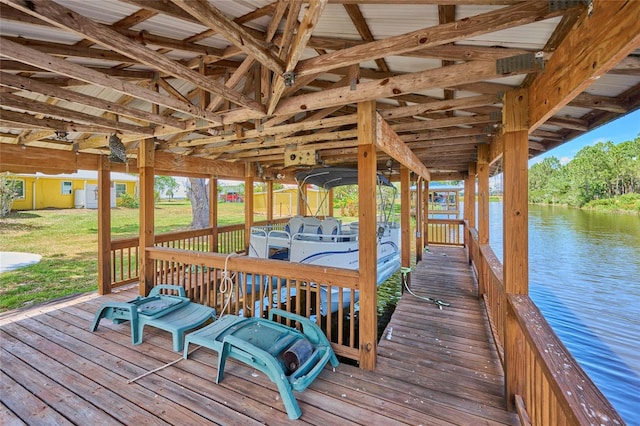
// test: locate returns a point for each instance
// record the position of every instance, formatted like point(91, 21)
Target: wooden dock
point(434, 367)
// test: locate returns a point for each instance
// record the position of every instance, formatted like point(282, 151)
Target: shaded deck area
point(434, 367)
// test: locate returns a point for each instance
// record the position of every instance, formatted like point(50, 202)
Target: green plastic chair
point(175, 314)
point(290, 358)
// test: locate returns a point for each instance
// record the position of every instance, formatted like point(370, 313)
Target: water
point(584, 275)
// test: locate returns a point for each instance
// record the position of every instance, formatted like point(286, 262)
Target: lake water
point(584, 275)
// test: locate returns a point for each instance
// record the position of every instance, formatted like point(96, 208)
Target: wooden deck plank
point(238, 379)
point(23, 404)
point(438, 368)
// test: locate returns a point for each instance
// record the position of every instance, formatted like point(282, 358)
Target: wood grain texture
point(436, 368)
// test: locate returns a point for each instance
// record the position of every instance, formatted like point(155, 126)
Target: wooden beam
point(30, 105)
point(23, 83)
point(504, 18)
point(213, 18)
point(439, 106)
point(184, 165)
point(67, 19)
point(368, 127)
point(60, 66)
point(389, 142)
point(270, 131)
point(442, 122)
point(591, 48)
point(53, 124)
point(232, 82)
point(391, 87)
point(298, 45)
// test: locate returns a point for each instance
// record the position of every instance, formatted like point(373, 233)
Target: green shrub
point(128, 201)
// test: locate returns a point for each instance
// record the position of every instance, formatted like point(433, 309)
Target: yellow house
point(285, 202)
point(67, 191)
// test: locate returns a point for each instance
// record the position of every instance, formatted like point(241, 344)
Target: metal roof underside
point(71, 76)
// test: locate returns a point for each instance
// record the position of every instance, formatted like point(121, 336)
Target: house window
point(67, 187)
point(18, 189)
point(121, 188)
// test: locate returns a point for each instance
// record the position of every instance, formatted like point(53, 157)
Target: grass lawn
point(67, 240)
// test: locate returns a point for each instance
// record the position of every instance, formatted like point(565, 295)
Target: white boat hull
point(340, 250)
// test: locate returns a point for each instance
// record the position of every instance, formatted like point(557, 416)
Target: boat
point(326, 241)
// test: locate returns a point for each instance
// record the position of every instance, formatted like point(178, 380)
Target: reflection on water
point(584, 275)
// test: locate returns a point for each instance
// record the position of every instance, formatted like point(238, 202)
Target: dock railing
point(446, 232)
point(239, 285)
point(124, 252)
point(549, 385)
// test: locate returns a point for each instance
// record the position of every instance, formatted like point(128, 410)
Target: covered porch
point(224, 90)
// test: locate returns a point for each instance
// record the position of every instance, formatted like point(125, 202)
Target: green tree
point(167, 185)
point(7, 194)
point(346, 198)
point(604, 171)
point(544, 180)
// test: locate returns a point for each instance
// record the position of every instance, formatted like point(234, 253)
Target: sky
point(624, 129)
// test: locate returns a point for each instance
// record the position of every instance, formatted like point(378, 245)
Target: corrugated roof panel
point(572, 111)
point(168, 26)
point(38, 32)
point(335, 22)
point(612, 85)
point(234, 9)
point(411, 64)
point(533, 36)
point(385, 21)
point(90, 62)
point(104, 11)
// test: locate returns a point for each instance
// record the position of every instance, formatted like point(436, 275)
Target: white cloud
point(565, 160)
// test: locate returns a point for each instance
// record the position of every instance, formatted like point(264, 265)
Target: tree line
point(599, 172)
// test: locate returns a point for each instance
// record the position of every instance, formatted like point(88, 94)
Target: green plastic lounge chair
point(290, 358)
point(175, 314)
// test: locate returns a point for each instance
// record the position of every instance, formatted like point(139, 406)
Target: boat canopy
point(330, 177)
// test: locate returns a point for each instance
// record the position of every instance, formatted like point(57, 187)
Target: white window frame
point(22, 184)
point(62, 187)
point(120, 190)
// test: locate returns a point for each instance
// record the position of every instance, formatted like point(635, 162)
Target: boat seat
point(175, 314)
point(295, 225)
point(311, 225)
point(290, 358)
point(330, 226)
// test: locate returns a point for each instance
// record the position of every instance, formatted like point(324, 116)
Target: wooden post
point(419, 219)
point(104, 226)
point(470, 196)
point(405, 216)
point(269, 205)
point(469, 214)
point(483, 194)
point(302, 195)
point(147, 236)
point(330, 203)
point(425, 216)
point(515, 232)
point(248, 205)
point(213, 213)
point(367, 135)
